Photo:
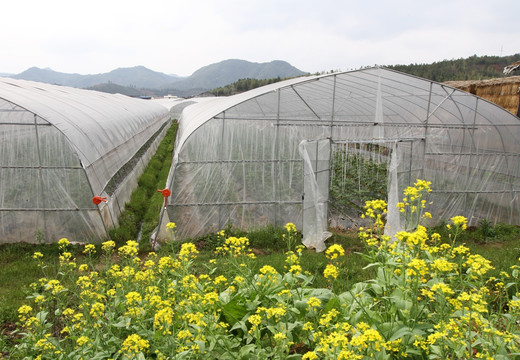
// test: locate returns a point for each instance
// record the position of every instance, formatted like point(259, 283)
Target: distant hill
point(112, 88)
point(229, 71)
point(140, 77)
point(145, 81)
point(472, 68)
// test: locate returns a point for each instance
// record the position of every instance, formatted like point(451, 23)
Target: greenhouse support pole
point(333, 108)
point(221, 157)
point(40, 176)
point(426, 122)
point(277, 167)
point(471, 131)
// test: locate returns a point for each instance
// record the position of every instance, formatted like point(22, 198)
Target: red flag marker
point(166, 193)
point(99, 199)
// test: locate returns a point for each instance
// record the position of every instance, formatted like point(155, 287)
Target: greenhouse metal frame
point(59, 148)
point(264, 156)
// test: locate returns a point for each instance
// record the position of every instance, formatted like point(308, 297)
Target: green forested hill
point(472, 68)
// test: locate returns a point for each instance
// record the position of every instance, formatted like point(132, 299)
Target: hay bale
point(502, 91)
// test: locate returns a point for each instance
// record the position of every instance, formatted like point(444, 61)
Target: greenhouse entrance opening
point(358, 173)
point(340, 176)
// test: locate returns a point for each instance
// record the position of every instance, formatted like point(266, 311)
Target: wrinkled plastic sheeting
point(316, 185)
point(393, 219)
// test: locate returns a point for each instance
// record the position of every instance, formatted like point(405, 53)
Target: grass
point(20, 269)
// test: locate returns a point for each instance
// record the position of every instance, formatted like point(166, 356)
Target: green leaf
point(333, 303)
point(400, 333)
point(234, 311)
point(246, 350)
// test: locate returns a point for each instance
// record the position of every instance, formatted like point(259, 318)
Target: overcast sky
point(179, 37)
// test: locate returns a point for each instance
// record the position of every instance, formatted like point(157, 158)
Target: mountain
point(112, 88)
point(229, 71)
point(140, 77)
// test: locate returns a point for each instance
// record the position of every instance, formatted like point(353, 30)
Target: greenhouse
point(312, 150)
point(60, 148)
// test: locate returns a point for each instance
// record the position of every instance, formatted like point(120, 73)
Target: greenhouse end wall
point(236, 159)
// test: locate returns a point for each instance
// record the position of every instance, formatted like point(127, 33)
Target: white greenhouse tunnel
point(280, 153)
point(60, 147)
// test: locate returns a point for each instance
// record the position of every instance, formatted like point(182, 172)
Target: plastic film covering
point(59, 147)
point(237, 160)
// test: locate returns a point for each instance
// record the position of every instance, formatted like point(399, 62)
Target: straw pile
point(502, 91)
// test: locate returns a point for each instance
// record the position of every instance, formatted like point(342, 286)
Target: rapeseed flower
point(330, 271)
point(334, 251)
point(290, 227)
point(90, 249)
point(133, 345)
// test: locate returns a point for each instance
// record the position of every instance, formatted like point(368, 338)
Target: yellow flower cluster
point(90, 249)
point(107, 246)
point(334, 251)
point(477, 264)
point(130, 249)
point(188, 251)
point(330, 271)
point(290, 227)
point(134, 345)
point(234, 246)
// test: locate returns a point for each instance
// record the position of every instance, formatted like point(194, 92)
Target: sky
point(180, 37)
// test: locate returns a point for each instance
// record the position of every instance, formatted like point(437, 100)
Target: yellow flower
point(295, 269)
point(83, 268)
point(97, 310)
point(255, 319)
point(82, 340)
point(220, 279)
point(130, 249)
point(37, 255)
point(334, 251)
point(445, 289)
point(171, 226)
point(329, 316)
point(443, 265)
point(309, 355)
point(63, 243)
point(290, 227)
point(330, 271)
point(188, 250)
point(313, 302)
point(460, 250)
point(133, 345)
point(268, 269)
point(133, 297)
point(108, 245)
point(478, 264)
point(272, 312)
point(279, 336)
point(89, 249)
point(460, 221)
point(308, 326)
